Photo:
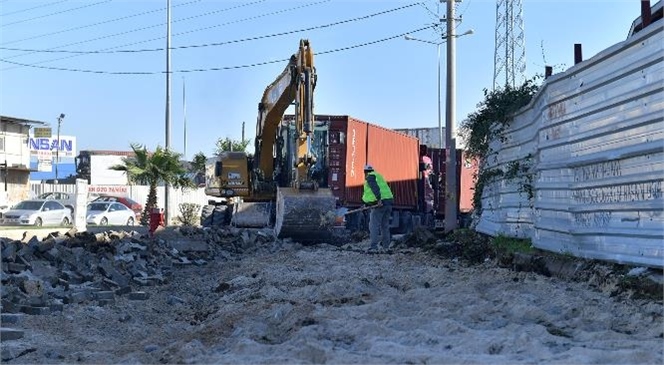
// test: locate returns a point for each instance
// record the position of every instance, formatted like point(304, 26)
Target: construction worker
point(377, 193)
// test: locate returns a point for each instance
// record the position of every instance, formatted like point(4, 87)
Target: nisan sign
point(66, 146)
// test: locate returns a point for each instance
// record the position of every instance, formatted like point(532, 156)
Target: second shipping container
point(353, 143)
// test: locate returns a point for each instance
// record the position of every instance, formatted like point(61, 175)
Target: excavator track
point(300, 214)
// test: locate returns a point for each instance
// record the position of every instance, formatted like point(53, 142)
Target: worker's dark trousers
point(379, 226)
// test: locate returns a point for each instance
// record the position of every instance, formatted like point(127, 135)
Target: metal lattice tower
point(509, 60)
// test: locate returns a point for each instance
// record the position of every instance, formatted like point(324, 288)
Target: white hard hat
point(368, 167)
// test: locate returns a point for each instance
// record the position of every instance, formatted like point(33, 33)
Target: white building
point(15, 163)
point(94, 165)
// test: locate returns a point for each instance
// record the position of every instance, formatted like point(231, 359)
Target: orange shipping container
point(354, 143)
point(396, 157)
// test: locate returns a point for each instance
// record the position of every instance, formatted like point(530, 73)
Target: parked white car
point(110, 213)
point(37, 212)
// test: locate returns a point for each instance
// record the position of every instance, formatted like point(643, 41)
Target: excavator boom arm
point(298, 208)
point(295, 84)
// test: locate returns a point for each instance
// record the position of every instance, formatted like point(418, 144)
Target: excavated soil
point(287, 303)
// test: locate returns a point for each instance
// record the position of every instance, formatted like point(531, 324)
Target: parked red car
point(131, 204)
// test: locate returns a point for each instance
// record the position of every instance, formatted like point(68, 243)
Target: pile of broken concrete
point(41, 276)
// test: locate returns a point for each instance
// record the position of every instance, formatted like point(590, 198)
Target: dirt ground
point(284, 303)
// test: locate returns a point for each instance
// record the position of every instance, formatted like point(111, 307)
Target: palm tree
point(160, 166)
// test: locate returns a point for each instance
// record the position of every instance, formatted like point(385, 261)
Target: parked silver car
point(110, 213)
point(37, 212)
point(66, 199)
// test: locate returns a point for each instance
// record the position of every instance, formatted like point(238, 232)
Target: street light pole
point(57, 148)
point(440, 118)
point(167, 214)
point(451, 201)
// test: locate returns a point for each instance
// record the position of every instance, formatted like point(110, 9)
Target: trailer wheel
point(405, 222)
point(356, 222)
point(430, 220)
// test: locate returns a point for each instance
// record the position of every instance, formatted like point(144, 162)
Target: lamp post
point(440, 119)
point(449, 202)
point(167, 213)
point(451, 187)
point(57, 148)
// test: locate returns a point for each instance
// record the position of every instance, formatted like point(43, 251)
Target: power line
point(143, 28)
point(372, 42)
point(216, 43)
point(173, 35)
point(98, 23)
point(56, 13)
point(32, 8)
point(159, 25)
point(212, 68)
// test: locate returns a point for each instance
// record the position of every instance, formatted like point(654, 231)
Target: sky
point(392, 83)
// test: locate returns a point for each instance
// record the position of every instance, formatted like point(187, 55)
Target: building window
point(2, 144)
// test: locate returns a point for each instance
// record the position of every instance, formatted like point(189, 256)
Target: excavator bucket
point(300, 214)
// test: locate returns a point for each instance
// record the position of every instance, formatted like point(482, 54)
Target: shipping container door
point(466, 171)
point(347, 146)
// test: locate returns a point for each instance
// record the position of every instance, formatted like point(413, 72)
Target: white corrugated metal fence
point(594, 136)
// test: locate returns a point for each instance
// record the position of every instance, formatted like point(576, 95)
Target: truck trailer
point(344, 144)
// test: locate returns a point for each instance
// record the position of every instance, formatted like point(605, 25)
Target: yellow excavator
point(255, 191)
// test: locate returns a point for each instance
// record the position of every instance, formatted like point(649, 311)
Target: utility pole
point(451, 201)
point(184, 111)
point(57, 148)
point(451, 190)
point(168, 104)
point(440, 116)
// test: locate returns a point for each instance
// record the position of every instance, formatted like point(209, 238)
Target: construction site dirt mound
point(234, 296)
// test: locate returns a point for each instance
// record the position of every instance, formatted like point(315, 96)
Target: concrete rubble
point(210, 295)
point(40, 277)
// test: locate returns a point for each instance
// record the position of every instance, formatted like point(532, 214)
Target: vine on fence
point(488, 123)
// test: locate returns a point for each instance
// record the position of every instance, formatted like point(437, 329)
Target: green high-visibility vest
point(385, 191)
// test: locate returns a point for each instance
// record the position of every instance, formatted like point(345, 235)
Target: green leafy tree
point(160, 166)
point(227, 144)
point(197, 167)
point(488, 123)
point(493, 115)
point(198, 164)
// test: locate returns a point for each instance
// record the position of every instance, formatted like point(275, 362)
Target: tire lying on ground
point(215, 216)
point(220, 215)
point(206, 216)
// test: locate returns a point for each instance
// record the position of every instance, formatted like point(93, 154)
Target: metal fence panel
point(598, 159)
